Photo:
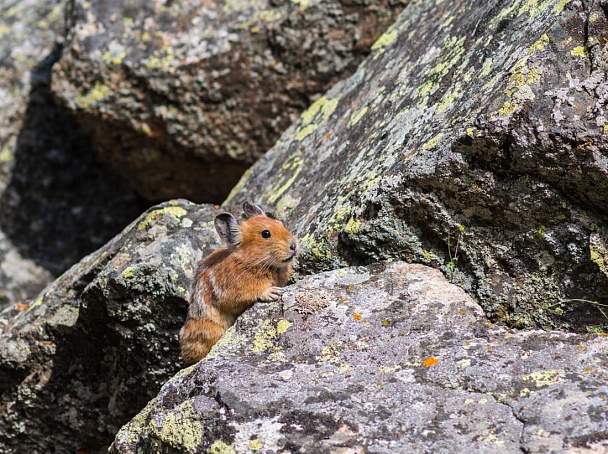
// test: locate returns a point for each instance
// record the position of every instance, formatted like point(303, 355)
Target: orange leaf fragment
point(356, 316)
point(21, 307)
point(430, 361)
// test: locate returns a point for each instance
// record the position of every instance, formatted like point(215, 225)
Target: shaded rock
point(472, 139)
point(58, 202)
point(183, 96)
point(388, 358)
point(100, 341)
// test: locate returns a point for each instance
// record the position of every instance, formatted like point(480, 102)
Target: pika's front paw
point(271, 294)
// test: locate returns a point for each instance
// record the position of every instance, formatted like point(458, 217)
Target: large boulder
point(57, 201)
point(182, 97)
point(386, 359)
point(472, 139)
point(100, 341)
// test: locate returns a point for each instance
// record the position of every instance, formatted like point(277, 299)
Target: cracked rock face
point(380, 359)
point(473, 140)
point(182, 97)
point(99, 342)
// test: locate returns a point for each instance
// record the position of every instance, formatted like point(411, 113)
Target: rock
point(182, 97)
point(387, 358)
point(472, 140)
point(100, 341)
point(57, 201)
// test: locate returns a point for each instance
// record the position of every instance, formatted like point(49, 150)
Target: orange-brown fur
point(231, 279)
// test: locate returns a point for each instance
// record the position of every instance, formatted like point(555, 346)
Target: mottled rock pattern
point(183, 96)
point(472, 139)
point(100, 341)
point(28, 30)
point(57, 201)
point(388, 358)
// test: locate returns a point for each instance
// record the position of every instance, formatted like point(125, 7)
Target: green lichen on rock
point(265, 337)
point(174, 212)
point(468, 129)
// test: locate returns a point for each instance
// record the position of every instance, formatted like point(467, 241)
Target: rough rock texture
point(472, 139)
point(100, 341)
point(381, 359)
point(57, 201)
point(183, 96)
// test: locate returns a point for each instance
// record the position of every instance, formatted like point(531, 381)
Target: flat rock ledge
point(386, 358)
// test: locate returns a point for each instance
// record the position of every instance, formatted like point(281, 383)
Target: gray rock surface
point(182, 96)
point(387, 358)
point(472, 139)
point(100, 341)
point(57, 201)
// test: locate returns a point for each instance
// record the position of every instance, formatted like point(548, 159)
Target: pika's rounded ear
point(228, 228)
point(251, 209)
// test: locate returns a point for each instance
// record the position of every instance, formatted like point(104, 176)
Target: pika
point(254, 265)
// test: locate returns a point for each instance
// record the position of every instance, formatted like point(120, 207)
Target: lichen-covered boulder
point(28, 30)
point(57, 201)
point(387, 358)
point(473, 139)
point(99, 342)
point(183, 96)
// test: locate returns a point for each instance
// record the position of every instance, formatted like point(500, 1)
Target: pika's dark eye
point(266, 234)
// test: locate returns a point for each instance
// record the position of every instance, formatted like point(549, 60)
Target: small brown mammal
point(254, 265)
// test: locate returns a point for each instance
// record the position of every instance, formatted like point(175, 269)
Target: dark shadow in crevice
point(62, 202)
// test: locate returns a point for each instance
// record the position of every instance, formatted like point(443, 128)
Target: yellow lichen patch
point(491, 438)
point(219, 447)
point(175, 212)
point(389, 370)
point(453, 48)
point(6, 156)
point(265, 336)
point(255, 444)
point(37, 302)
point(386, 39)
point(302, 3)
point(294, 164)
point(539, 45)
point(487, 67)
point(127, 273)
point(95, 94)
point(283, 325)
point(314, 115)
point(598, 252)
point(344, 367)
point(114, 58)
point(534, 7)
point(161, 59)
point(356, 117)
point(4, 30)
point(352, 226)
point(433, 142)
point(508, 108)
point(267, 15)
point(330, 354)
point(544, 378)
point(317, 248)
point(559, 7)
point(579, 51)
point(448, 99)
point(181, 427)
point(463, 363)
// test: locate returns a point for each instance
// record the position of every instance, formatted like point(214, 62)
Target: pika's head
point(265, 241)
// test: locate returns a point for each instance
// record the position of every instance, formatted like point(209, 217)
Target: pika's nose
point(293, 245)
